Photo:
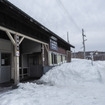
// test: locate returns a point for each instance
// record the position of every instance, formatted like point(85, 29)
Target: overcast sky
point(62, 16)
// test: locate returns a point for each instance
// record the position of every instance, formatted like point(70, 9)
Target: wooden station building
point(27, 48)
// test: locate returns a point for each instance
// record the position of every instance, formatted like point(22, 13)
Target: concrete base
point(47, 68)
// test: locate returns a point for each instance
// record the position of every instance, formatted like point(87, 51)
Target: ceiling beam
point(22, 35)
point(11, 38)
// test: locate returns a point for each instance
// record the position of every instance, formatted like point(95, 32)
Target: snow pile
point(75, 72)
point(81, 91)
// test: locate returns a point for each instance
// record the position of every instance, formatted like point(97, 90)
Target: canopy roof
point(15, 19)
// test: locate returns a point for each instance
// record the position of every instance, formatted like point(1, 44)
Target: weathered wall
point(5, 71)
point(29, 47)
point(5, 45)
point(60, 50)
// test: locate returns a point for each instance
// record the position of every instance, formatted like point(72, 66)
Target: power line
point(68, 14)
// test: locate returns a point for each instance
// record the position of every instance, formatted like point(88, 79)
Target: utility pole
point(84, 42)
point(68, 37)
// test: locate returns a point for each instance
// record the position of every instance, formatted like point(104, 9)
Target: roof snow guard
point(15, 19)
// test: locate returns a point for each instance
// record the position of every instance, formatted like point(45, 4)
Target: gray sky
point(62, 16)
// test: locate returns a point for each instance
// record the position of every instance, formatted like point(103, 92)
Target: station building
point(27, 48)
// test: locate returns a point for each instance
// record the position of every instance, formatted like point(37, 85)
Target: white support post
point(47, 49)
point(43, 58)
point(16, 59)
point(16, 79)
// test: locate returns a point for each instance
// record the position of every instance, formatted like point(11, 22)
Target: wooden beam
point(21, 40)
point(47, 48)
point(19, 34)
point(11, 38)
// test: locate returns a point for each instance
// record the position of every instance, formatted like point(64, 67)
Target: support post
point(15, 42)
point(16, 59)
point(16, 70)
point(47, 49)
point(43, 58)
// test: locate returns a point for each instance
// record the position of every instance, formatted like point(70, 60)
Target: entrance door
point(5, 67)
point(35, 65)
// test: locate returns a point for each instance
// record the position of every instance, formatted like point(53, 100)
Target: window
point(61, 58)
point(5, 59)
point(65, 58)
point(54, 58)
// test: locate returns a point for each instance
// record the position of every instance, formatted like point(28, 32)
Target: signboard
point(17, 53)
point(53, 45)
point(17, 46)
point(52, 37)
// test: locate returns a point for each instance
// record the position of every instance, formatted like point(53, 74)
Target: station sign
point(53, 45)
point(52, 37)
point(17, 46)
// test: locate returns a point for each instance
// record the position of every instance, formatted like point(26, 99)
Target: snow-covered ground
point(75, 83)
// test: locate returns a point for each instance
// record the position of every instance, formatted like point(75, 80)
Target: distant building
point(97, 55)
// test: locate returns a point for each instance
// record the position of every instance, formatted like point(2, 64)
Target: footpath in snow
point(75, 83)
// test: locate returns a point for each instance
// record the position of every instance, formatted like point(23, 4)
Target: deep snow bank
point(81, 91)
point(75, 72)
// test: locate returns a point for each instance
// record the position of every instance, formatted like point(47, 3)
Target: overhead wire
point(59, 2)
